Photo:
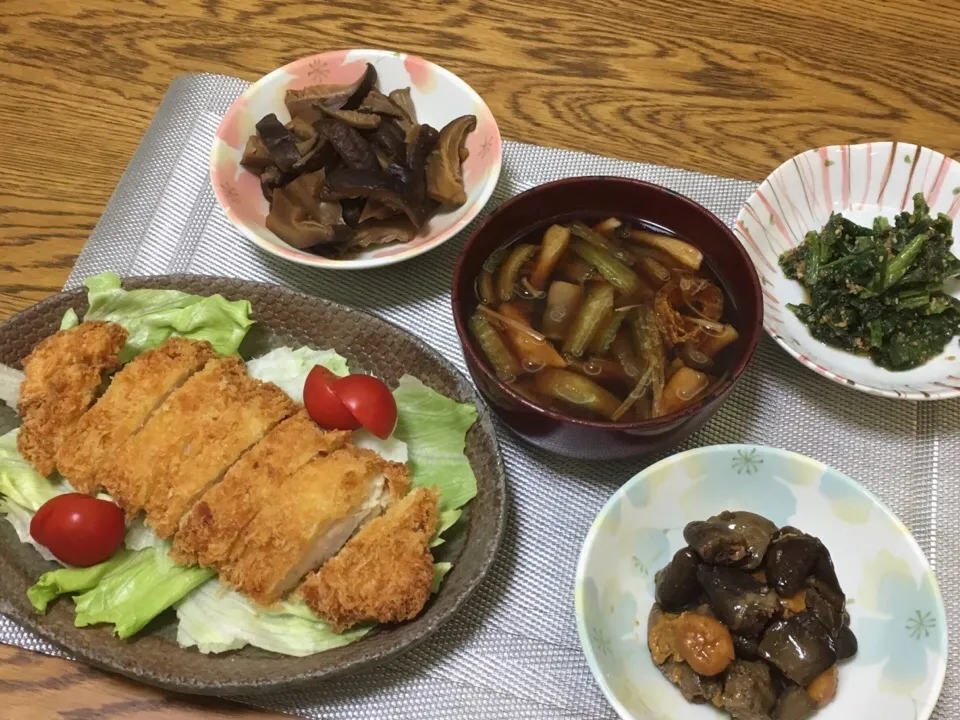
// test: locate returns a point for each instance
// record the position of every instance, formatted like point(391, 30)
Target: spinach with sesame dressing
point(880, 291)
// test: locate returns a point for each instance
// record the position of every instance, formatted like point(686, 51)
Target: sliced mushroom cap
point(382, 232)
point(377, 184)
point(302, 129)
point(390, 138)
point(281, 144)
point(349, 144)
point(376, 210)
point(352, 210)
point(334, 97)
point(444, 172)
point(255, 158)
point(404, 101)
point(271, 179)
point(420, 142)
point(322, 156)
point(354, 118)
point(377, 102)
point(291, 222)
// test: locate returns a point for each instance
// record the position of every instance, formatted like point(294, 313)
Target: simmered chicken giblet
point(133, 395)
point(61, 379)
point(308, 520)
point(384, 573)
point(210, 529)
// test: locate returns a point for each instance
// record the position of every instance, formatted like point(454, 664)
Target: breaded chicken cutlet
point(62, 376)
point(384, 573)
point(208, 532)
point(131, 473)
point(251, 409)
point(133, 395)
point(307, 521)
point(236, 472)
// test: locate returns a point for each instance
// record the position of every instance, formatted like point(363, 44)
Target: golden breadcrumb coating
point(133, 395)
point(129, 476)
point(209, 530)
point(306, 522)
point(61, 379)
point(384, 573)
point(252, 409)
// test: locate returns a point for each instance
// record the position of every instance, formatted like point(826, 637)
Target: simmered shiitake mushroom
point(608, 322)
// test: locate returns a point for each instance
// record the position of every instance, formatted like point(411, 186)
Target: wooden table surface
point(731, 87)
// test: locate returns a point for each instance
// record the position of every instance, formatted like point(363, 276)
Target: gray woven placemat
point(513, 651)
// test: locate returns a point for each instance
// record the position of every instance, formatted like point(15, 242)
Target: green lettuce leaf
point(434, 428)
point(137, 591)
point(151, 316)
point(55, 583)
point(69, 319)
point(214, 619)
point(10, 381)
point(19, 517)
point(448, 519)
point(288, 368)
point(19, 481)
point(440, 571)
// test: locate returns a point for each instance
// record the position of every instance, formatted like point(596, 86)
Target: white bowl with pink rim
point(439, 97)
point(861, 182)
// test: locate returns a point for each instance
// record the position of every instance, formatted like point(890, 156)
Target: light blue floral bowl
point(894, 603)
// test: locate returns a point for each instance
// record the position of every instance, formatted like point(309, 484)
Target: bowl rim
point(315, 261)
point(618, 495)
point(944, 392)
point(666, 421)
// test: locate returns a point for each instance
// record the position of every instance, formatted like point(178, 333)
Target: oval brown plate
point(283, 317)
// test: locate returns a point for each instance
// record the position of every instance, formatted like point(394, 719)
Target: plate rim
point(943, 393)
point(617, 496)
point(363, 263)
point(77, 650)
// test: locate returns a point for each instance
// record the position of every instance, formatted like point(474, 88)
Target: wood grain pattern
point(730, 87)
point(35, 687)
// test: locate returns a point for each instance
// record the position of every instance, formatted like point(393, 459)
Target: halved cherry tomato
point(370, 401)
point(322, 403)
point(79, 529)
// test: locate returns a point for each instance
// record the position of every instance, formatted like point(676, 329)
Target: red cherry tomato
point(370, 401)
point(79, 529)
point(322, 403)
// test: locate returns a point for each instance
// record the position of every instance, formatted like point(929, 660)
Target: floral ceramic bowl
point(862, 182)
point(895, 606)
point(438, 95)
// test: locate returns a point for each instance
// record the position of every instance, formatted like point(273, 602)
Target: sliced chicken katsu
point(61, 379)
point(308, 520)
point(133, 395)
point(384, 573)
point(147, 455)
point(210, 529)
point(253, 409)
